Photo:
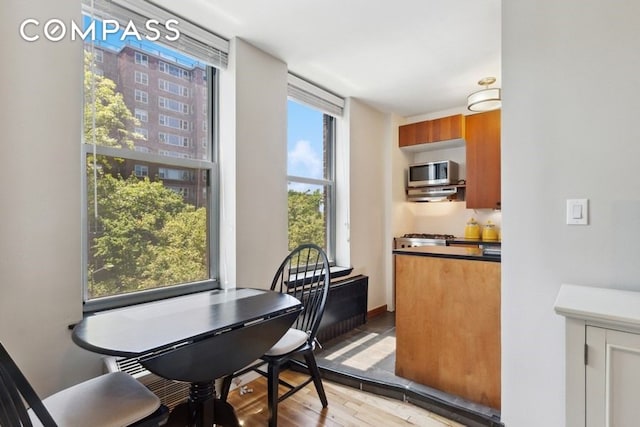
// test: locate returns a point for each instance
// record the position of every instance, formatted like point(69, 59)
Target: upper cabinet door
point(407, 135)
point(428, 131)
point(482, 134)
point(423, 132)
point(447, 128)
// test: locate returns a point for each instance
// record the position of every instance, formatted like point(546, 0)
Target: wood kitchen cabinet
point(448, 325)
point(482, 134)
point(428, 131)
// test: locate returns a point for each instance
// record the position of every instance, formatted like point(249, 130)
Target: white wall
point(397, 213)
point(40, 272)
point(254, 169)
point(369, 133)
point(570, 86)
point(448, 217)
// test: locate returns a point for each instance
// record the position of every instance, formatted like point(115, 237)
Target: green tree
point(149, 238)
point(132, 215)
point(107, 119)
point(180, 256)
point(306, 218)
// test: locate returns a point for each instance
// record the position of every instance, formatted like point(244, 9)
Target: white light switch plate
point(577, 211)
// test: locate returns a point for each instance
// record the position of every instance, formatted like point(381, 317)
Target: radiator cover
point(346, 307)
point(171, 393)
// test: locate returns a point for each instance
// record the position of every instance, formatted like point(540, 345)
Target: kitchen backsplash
point(448, 217)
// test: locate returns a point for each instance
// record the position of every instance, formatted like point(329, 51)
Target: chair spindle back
point(305, 274)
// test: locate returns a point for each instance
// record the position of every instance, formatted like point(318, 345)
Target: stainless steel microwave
point(444, 172)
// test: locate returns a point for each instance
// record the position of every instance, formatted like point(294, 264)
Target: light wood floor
point(347, 407)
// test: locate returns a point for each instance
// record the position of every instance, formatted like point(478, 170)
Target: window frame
point(141, 96)
point(144, 131)
point(141, 59)
point(164, 86)
point(141, 114)
point(329, 145)
point(210, 167)
point(141, 170)
point(141, 78)
point(209, 49)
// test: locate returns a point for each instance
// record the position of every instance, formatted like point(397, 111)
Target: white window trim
point(141, 96)
point(142, 78)
point(330, 183)
point(144, 59)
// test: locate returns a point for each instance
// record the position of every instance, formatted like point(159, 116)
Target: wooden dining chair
point(110, 400)
point(305, 274)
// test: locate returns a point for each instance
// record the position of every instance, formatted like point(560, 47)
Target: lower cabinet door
point(612, 378)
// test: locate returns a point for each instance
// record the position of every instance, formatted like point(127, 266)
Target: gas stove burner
point(411, 240)
point(429, 236)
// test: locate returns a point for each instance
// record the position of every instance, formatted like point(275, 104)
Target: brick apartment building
point(169, 98)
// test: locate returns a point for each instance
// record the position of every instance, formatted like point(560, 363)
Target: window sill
point(337, 271)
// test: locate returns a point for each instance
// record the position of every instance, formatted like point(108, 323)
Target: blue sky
point(304, 141)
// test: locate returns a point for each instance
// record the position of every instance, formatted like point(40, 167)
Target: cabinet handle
point(586, 354)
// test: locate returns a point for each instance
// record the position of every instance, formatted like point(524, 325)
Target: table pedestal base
point(203, 409)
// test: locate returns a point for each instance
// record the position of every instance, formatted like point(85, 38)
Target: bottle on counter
point(472, 230)
point(489, 232)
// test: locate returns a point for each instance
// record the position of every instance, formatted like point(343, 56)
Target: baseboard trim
point(376, 311)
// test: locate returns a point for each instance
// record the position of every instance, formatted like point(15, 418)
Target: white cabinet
point(612, 378)
point(602, 356)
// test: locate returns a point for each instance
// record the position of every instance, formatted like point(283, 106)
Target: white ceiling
point(408, 57)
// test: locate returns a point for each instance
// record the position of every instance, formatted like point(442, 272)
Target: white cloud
point(304, 161)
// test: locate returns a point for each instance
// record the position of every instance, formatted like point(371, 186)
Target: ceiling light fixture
point(486, 99)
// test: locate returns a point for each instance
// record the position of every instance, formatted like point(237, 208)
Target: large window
point(150, 212)
point(311, 178)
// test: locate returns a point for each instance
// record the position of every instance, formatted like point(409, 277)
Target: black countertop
point(453, 252)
